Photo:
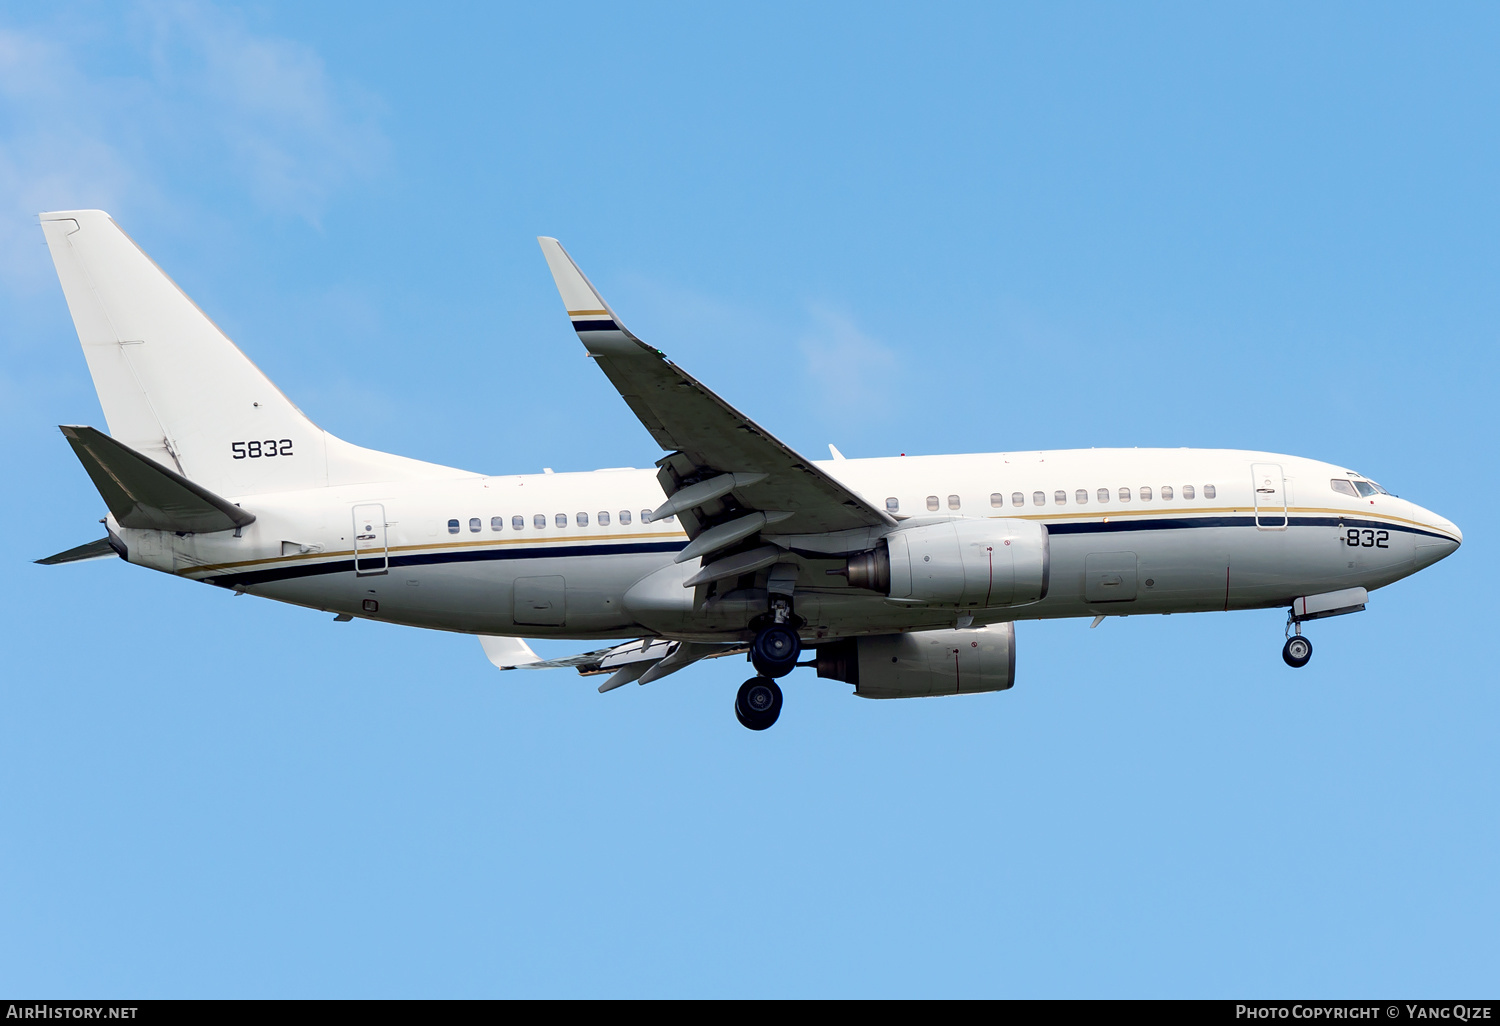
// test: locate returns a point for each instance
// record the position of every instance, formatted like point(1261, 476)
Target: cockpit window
point(1366, 489)
point(1343, 487)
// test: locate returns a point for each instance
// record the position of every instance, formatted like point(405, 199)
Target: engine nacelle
point(924, 663)
point(979, 563)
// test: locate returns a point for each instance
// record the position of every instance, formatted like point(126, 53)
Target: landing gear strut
point(1297, 650)
point(776, 646)
point(774, 653)
point(758, 703)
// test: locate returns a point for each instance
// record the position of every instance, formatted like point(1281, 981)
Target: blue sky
point(894, 228)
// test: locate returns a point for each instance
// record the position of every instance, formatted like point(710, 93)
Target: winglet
point(586, 308)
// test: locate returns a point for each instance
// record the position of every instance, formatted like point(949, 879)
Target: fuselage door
point(1270, 496)
point(370, 553)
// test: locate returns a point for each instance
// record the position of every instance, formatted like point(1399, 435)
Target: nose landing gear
point(758, 703)
point(1297, 650)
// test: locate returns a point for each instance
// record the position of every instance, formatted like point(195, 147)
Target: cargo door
point(1109, 577)
point(1270, 496)
point(371, 555)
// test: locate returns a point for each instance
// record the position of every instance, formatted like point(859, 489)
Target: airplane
point(901, 576)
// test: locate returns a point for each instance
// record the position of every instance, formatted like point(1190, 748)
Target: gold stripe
point(431, 546)
point(1115, 513)
point(1127, 511)
point(588, 313)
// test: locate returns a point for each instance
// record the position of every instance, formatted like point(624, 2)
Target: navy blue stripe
point(1182, 523)
point(604, 325)
point(250, 577)
point(245, 578)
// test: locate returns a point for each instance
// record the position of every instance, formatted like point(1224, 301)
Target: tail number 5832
point(256, 450)
point(1367, 539)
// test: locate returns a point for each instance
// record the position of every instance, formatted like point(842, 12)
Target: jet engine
point(924, 663)
point(979, 563)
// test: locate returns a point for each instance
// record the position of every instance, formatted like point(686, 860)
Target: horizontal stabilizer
point(142, 493)
point(639, 657)
point(93, 550)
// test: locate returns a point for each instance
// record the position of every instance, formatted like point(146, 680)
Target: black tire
point(775, 650)
point(1297, 651)
point(758, 703)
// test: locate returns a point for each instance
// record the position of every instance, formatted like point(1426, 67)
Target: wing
point(726, 477)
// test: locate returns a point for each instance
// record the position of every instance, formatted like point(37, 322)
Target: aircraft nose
point(1431, 549)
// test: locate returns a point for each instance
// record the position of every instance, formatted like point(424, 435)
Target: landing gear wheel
point(775, 650)
point(759, 703)
point(1297, 651)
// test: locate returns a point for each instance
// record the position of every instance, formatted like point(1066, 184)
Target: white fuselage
point(449, 554)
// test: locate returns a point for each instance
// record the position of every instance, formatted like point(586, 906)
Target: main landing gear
point(774, 654)
point(758, 703)
point(775, 650)
point(1297, 650)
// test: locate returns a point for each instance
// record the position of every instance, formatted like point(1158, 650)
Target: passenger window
point(997, 500)
point(604, 518)
point(1018, 498)
point(1166, 493)
point(1039, 498)
point(1343, 487)
point(1145, 493)
point(497, 523)
point(932, 503)
point(1081, 496)
point(1124, 494)
point(519, 523)
point(1209, 492)
point(624, 518)
point(474, 524)
point(453, 527)
point(1187, 491)
point(583, 519)
point(539, 521)
point(561, 519)
point(953, 502)
point(645, 516)
point(1103, 495)
point(892, 505)
point(1060, 497)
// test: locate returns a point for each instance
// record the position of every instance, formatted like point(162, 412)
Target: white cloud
point(202, 102)
point(849, 370)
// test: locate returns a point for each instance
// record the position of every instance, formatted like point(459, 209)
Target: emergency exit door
point(370, 553)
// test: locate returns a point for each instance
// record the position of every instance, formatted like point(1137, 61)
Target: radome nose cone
point(1430, 549)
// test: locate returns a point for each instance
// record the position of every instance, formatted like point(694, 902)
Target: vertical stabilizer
point(173, 386)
